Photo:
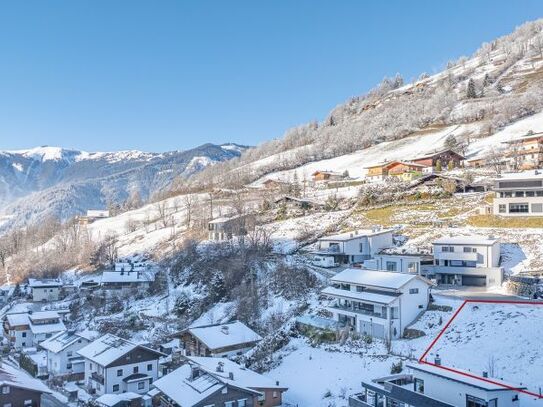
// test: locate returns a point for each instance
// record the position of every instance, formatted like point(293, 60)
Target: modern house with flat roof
point(403, 260)
point(351, 247)
point(380, 304)
point(425, 385)
point(468, 261)
point(519, 194)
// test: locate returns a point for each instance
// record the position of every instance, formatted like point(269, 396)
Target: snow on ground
point(502, 339)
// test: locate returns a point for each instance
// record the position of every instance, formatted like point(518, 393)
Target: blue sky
point(165, 75)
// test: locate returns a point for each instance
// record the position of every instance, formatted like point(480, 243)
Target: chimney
point(224, 329)
point(194, 372)
point(437, 360)
point(220, 367)
point(485, 374)
point(231, 375)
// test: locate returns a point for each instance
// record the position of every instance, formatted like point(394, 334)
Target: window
point(5, 390)
point(394, 314)
point(136, 369)
point(391, 266)
point(345, 287)
point(115, 387)
point(68, 366)
point(24, 344)
point(28, 402)
point(90, 366)
point(359, 288)
point(447, 249)
point(119, 372)
point(468, 249)
point(518, 208)
point(228, 404)
point(242, 403)
point(475, 402)
point(419, 386)
point(69, 354)
point(149, 367)
point(502, 208)
point(275, 394)
point(537, 207)
point(412, 267)
point(530, 193)
point(141, 385)
point(23, 334)
point(413, 291)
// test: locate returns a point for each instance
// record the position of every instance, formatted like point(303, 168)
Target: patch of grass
point(493, 221)
point(382, 216)
point(450, 213)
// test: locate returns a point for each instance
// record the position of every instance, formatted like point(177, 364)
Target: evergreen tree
point(450, 165)
point(471, 92)
point(438, 166)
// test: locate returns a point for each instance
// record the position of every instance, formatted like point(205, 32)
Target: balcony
point(460, 255)
point(357, 310)
point(330, 250)
point(97, 378)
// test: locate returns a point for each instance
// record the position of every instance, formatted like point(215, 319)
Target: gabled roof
point(11, 376)
point(224, 335)
point(327, 172)
point(127, 277)
point(437, 152)
point(109, 348)
point(62, 340)
point(381, 279)
point(465, 378)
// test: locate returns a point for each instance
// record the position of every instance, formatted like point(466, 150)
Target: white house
point(430, 385)
point(24, 330)
point(402, 260)
point(467, 260)
point(351, 247)
point(46, 289)
point(126, 280)
point(519, 194)
point(116, 365)
point(97, 213)
point(62, 356)
point(377, 303)
point(130, 266)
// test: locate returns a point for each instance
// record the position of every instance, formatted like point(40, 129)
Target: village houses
point(47, 289)
point(379, 304)
point(28, 329)
point(116, 365)
point(207, 381)
point(17, 389)
point(519, 194)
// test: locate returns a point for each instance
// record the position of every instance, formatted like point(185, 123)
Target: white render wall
point(45, 294)
point(487, 256)
point(111, 378)
point(454, 393)
point(57, 363)
point(516, 200)
point(402, 262)
point(409, 303)
point(19, 339)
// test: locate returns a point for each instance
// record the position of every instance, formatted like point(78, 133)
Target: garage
point(474, 281)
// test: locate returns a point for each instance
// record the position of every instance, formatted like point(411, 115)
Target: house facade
point(206, 381)
point(379, 304)
point(62, 356)
point(115, 365)
point(526, 152)
point(467, 261)
point(426, 385)
point(17, 389)
point(224, 229)
point(351, 247)
point(119, 281)
point(45, 289)
point(519, 194)
point(319, 176)
point(406, 171)
point(218, 340)
point(444, 157)
point(28, 329)
point(391, 259)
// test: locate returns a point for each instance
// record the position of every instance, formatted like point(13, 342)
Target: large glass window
point(391, 266)
point(518, 208)
point(419, 385)
point(472, 401)
point(502, 208)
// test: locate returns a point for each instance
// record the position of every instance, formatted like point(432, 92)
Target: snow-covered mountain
point(53, 180)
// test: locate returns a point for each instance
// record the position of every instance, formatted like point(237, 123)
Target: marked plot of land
point(503, 339)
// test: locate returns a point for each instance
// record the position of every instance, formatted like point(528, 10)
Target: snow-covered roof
point(533, 174)
point(11, 376)
point(109, 348)
point(127, 277)
point(64, 339)
point(242, 377)
point(25, 318)
point(187, 391)
point(18, 319)
point(473, 240)
point(362, 296)
point(382, 279)
point(44, 282)
point(499, 385)
point(111, 400)
point(355, 234)
point(225, 219)
point(40, 315)
point(224, 335)
point(403, 251)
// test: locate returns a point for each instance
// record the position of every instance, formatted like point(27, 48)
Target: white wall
point(410, 303)
point(57, 363)
point(45, 294)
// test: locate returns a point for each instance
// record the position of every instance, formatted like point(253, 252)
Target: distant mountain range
point(63, 182)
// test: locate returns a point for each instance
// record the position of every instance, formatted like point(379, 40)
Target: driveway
point(474, 293)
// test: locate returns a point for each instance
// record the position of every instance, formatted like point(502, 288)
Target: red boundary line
point(484, 379)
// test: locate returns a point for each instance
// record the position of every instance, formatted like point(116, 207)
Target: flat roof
point(533, 174)
point(499, 385)
point(383, 279)
point(355, 234)
point(473, 240)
